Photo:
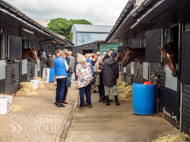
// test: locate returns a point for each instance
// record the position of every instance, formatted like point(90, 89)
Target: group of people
point(99, 71)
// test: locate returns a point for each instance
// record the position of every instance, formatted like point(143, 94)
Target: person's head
point(87, 55)
point(94, 56)
point(70, 53)
point(100, 60)
point(110, 51)
point(66, 52)
point(57, 48)
point(98, 53)
point(63, 55)
point(81, 59)
point(104, 53)
point(58, 53)
point(113, 55)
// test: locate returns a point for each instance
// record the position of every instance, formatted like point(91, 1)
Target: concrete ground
point(38, 119)
point(116, 123)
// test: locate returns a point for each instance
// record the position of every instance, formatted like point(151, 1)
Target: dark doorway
point(86, 51)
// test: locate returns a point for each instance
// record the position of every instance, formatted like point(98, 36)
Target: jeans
point(65, 93)
point(82, 91)
point(107, 90)
point(70, 76)
point(60, 89)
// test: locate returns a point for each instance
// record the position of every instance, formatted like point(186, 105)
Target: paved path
point(112, 123)
point(39, 120)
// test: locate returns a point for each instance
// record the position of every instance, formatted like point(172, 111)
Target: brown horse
point(30, 52)
point(131, 54)
point(169, 58)
point(119, 56)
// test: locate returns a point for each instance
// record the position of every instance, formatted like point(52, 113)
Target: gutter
point(11, 8)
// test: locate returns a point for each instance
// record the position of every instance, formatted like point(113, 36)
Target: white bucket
point(35, 83)
point(5, 104)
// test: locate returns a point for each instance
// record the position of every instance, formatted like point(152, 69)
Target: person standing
point(84, 73)
point(109, 54)
point(50, 61)
point(61, 75)
point(68, 72)
point(94, 60)
point(72, 60)
point(99, 79)
point(110, 72)
point(104, 54)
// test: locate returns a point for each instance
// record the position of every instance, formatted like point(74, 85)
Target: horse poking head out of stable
point(30, 52)
point(130, 55)
point(169, 58)
point(119, 56)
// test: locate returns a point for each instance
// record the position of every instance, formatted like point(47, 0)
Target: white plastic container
point(5, 104)
point(35, 83)
point(45, 75)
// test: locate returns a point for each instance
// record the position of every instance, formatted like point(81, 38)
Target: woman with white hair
point(84, 73)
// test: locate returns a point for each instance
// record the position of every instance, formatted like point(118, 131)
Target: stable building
point(84, 34)
point(147, 25)
point(18, 32)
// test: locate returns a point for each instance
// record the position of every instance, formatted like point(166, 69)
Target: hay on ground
point(41, 85)
point(16, 108)
point(121, 84)
point(128, 93)
point(26, 88)
point(173, 138)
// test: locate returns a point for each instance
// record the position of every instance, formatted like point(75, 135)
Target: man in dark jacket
point(50, 61)
point(108, 55)
point(110, 72)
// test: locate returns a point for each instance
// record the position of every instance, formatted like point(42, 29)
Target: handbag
point(68, 82)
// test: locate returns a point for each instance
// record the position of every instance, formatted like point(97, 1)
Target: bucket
point(143, 99)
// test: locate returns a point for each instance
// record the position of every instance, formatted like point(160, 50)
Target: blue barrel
point(52, 75)
point(143, 99)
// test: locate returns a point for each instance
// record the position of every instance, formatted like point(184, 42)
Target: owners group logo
point(30, 123)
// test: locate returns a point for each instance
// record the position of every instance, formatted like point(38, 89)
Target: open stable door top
point(153, 39)
point(14, 47)
point(136, 43)
point(185, 58)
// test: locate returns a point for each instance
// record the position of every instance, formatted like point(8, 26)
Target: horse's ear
point(170, 45)
point(33, 48)
point(160, 48)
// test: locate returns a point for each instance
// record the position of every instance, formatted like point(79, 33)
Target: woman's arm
point(66, 65)
point(77, 70)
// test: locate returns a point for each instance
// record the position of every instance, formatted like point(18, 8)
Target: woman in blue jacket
point(61, 68)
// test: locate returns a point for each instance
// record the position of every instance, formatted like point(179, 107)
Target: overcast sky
point(98, 12)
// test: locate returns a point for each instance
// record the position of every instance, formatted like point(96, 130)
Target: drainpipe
point(181, 97)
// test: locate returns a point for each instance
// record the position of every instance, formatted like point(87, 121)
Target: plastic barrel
point(143, 99)
point(52, 75)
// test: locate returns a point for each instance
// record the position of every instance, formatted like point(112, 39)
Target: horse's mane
point(139, 50)
point(26, 49)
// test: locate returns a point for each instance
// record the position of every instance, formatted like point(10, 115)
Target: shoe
point(64, 102)
point(116, 101)
point(104, 101)
point(95, 91)
point(107, 100)
point(80, 106)
point(85, 104)
point(56, 103)
point(89, 106)
point(60, 105)
point(100, 99)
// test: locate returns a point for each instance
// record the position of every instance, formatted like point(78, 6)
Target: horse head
point(169, 58)
point(33, 54)
point(129, 56)
point(119, 56)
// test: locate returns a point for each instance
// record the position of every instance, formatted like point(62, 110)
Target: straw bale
point(26, 88)
point(173, 138)
point(128, 92)
point(121, 84)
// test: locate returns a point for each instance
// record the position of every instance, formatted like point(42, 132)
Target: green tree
point(63, 26)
